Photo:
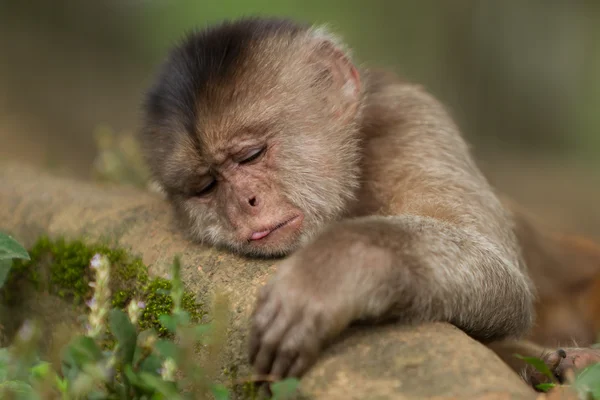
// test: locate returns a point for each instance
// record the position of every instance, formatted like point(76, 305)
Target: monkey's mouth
point(295, 222)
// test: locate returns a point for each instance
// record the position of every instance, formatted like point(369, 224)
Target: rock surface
point(384, 362)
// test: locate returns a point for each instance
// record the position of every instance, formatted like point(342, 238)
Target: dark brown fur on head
point(257, 105)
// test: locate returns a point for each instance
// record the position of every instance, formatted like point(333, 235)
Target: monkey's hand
point(562, 362)
point(315, 294)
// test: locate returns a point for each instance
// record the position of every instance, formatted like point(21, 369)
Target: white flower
point(96, 261)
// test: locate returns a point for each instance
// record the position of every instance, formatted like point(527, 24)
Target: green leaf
point(80, 351)
point(167, 389)
point(41, 370)
point(544, 387)
point(588, 381)
point(5, 266)
point(10, 248)
point(125, 332)
point(4, 363)
point(135, 380)
point(167, 349)
point(537, 364)
point(182, 318)
point(84, 350)
point(151, 364)
point(61, 384)
point(96, 395)
point(284, 389)
point(3, 373)
point(220, 392)
point(168, 322)
point(120, 391)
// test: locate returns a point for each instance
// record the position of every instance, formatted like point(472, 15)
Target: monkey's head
point(251, 129)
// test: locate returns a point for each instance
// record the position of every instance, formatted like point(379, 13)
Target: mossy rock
point(61, 268)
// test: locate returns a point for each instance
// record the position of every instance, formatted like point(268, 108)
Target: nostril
point(252, 201)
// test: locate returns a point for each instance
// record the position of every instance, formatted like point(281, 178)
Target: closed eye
point(253, 155)
point(206, 189)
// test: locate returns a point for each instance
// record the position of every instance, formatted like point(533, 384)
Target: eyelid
point(206, 189)
point(252, 155)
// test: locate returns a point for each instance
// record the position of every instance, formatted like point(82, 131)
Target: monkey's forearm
point(440, 272)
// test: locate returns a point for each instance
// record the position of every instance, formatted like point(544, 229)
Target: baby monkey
point(268, 140)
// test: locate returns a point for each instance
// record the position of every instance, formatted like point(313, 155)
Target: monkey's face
point(260, 158)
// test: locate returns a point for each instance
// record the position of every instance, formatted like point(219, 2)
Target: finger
point(265, 313)
point(262, 319)
point(291, 345)
point(254, 343)
point(271, 340)
point(299, 367)
point(307, 354)
point(261, 297)
point(282, 364)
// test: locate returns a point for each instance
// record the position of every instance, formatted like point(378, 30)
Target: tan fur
point(397, 220)
point(566, 274)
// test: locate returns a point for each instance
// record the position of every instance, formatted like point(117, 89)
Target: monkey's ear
point(337, 76)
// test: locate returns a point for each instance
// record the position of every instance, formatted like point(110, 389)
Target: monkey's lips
point(293, 223)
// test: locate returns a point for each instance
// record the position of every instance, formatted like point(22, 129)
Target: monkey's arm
point(450, 238)
point(427, 269)
point(412, 268)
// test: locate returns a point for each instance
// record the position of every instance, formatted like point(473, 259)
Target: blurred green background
point(521, 77)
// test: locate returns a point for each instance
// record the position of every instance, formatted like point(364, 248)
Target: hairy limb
point(438, 271)
point(411, 268)
point(561, 362)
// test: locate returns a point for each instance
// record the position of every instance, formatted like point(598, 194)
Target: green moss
point(188, 303)
point(62, 268)
point(120, 298)
point(244, 390)
point(158, 303)
point(69, 272)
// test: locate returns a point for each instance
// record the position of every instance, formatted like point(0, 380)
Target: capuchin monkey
point(269, 141)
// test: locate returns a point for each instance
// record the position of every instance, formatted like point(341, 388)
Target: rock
point(384, 362)
point(433, 360)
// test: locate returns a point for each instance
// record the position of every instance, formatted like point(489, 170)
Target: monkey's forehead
point(231, 62)
point(216, 56)
point(233, 78)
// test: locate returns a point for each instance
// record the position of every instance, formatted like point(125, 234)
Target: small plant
point(586, 383)
point(61, 267)
point(10, 249)
point(140, 364)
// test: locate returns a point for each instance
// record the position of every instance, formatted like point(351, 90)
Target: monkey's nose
point(253, 201)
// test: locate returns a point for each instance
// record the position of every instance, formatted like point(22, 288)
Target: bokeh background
point(521, 77)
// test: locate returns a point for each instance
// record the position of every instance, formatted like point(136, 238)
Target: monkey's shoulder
point(388, 99)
